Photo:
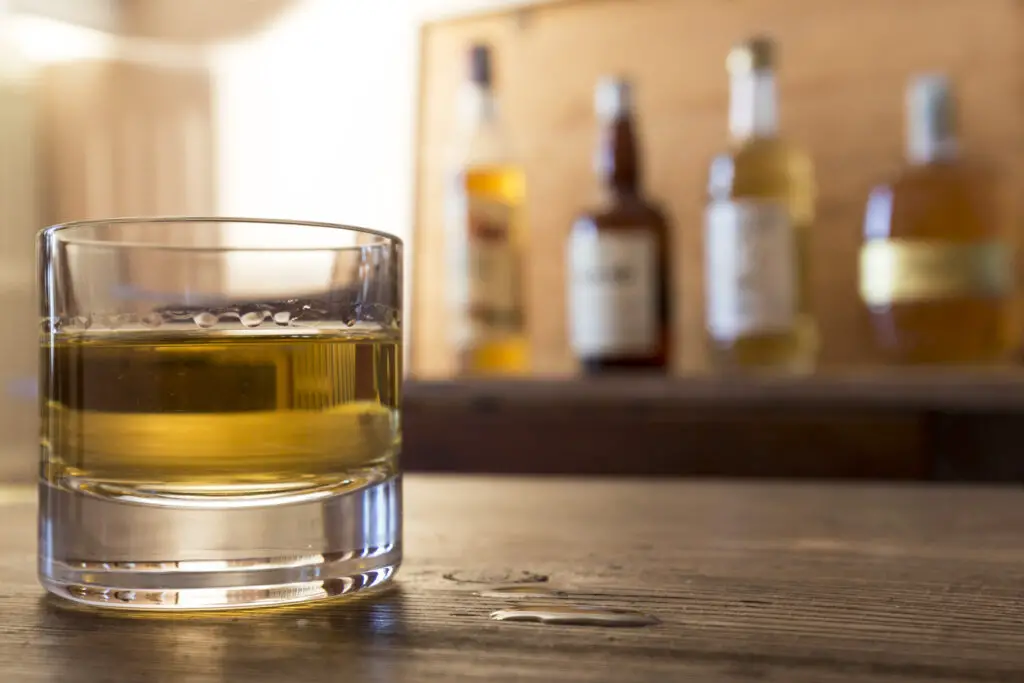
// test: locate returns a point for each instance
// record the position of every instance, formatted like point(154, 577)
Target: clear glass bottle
point(758, 220)
point(486, 235)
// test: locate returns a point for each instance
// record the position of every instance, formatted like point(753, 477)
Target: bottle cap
point(930, 102)
point(753, 54)
point(613, 97)
point(931, 117)
point(480, 65)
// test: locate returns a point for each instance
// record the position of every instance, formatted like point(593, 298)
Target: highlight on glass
point(221, 411)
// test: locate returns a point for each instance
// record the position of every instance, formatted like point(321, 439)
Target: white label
point(613, 294)
point(484, 286)
point(493, 282)
point(749, 269)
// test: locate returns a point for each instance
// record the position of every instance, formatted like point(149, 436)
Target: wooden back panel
point(844, 66)
point(19, 221)
point(124, 138)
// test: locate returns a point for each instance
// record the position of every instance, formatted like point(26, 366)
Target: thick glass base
point(180, 555)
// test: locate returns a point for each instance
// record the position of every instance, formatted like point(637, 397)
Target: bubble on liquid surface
point(111, 322)
point(177, 314)
point(205, 319)
point(521, 590)
point(79, 322)
point(253, 318)
point(576, 616)
point(310, 312)
point(152, 320)
point(282, 317)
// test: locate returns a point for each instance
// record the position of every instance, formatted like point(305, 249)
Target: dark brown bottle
point(618, 256)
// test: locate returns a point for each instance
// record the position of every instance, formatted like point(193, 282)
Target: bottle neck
point(618, 159)
point(930, 150)
point(931, 129)
point(753, 109)
point(479, 106)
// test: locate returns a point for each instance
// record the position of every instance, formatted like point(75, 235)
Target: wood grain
point(843, 69)
point(803, 584)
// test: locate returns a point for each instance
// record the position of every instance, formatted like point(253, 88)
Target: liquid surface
point(771, 168)
point(219, 414)
point(503, 577)
point(575, 616)
point(517, 591)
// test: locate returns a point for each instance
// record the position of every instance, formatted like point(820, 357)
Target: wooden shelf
point(927, 389)
point(957, 424)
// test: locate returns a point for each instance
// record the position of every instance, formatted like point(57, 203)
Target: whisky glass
point(220, 405)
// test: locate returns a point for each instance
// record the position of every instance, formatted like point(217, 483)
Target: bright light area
point(316, 120)
point(42, 40)
point(317, 115)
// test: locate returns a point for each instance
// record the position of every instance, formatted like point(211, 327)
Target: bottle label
point(750, 268)
point(486, 272)
point(896, 271)
point(613, 293)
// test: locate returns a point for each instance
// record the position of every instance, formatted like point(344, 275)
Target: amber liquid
point(497, 343)
point(952, 203)
point(220, 413)
point(772, 169)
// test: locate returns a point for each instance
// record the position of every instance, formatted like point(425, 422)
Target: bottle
point(935, 273)
point(760, 210)
point(486, 238)
point(618, 255)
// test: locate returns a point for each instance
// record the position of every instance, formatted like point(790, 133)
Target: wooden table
point(797, 583)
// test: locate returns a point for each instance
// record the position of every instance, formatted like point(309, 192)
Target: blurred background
point(304, 109)
point(355, 112)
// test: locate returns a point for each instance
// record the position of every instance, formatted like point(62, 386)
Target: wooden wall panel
point(844, 64)
point(19, 221)
point(124, 138)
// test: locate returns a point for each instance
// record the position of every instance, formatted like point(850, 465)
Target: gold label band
point(899, 271)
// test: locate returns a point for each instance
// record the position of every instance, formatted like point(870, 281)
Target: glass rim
point(59, 229)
